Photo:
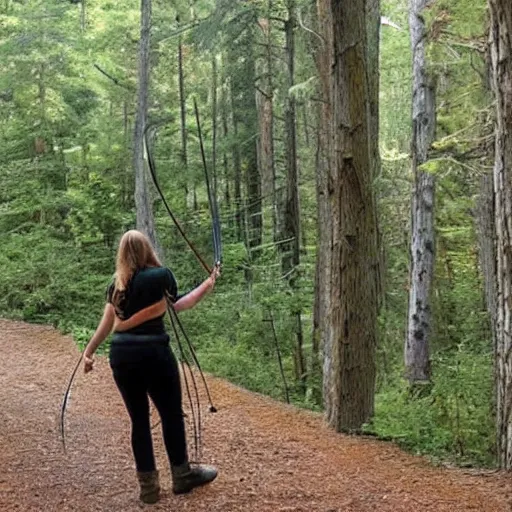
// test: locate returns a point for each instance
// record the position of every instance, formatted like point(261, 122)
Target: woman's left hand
point(214, 275)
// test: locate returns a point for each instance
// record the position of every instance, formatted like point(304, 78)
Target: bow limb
point(152, 170)
point(212, 199)
point(65, 402)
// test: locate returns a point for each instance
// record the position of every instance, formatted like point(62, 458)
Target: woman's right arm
point(154, 311)
point(102, 331)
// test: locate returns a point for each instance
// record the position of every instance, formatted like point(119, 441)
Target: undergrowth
point(47, 280)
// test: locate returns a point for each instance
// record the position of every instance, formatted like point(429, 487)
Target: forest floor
point(271, 457)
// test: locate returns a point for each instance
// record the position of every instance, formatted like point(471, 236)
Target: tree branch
point(114, 79)
point(274, 18)
point(322, 40)
point(262, 92)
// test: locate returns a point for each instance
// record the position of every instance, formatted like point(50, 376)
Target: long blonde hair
point(135, 252)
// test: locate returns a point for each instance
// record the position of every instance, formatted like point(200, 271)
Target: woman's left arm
point(189, 300)
point(102, 331)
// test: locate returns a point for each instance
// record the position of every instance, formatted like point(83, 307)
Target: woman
point(142, 362)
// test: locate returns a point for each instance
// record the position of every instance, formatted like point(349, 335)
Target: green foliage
point(66, 192)
point(453, 420)
point(94, 216)
point(45, 281)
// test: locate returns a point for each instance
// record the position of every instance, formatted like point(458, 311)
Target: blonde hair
point(135, 252)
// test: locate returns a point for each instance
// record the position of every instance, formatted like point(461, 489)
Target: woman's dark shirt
point(146, 287)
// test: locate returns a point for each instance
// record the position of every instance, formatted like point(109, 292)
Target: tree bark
point(501, 58)
point(487, 246)
point(291, 228)
point(145, 221)
point(419, 325)
point(349, 365)
point(253, 179)
point(183, 117)
point(265, 101)
point(245, 122)
point(373, 34)
point(486, 229)
point(83, 16)
point(321, 326)
point(225, 133)
point(237, 165)
point(373, 51)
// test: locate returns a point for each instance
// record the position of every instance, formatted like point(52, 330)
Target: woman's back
point(146, 287)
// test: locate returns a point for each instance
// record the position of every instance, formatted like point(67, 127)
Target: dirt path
point(271, 457)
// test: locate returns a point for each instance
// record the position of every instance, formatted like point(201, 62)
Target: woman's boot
point(186, 477)
point(149, 486)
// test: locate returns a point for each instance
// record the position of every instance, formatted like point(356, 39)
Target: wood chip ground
point(271, 457)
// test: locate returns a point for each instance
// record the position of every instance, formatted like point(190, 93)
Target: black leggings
point(143, 369)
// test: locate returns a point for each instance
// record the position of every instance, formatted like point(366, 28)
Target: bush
point(452, 420)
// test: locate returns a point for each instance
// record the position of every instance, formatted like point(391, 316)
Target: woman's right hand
point(88, 364)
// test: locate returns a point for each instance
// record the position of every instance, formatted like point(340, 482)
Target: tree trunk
point(487, 254)
point(373, 34)
point(373, 50)
point(487, 245)
point(183, 118)
point(145, 221)
point(265, 102)
point(225, 133)
point(322, 265)
point(501, 57)
point(245, 123)
point(42, 94)
point(350, 350)
point(321, 326)
point(291, 229)
point(83, 16)
point(419, 324)
point(300, 365)
point(237, 165)
point(253, 180)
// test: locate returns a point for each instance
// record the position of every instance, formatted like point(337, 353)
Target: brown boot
point(186, 477)
point(149, 486)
